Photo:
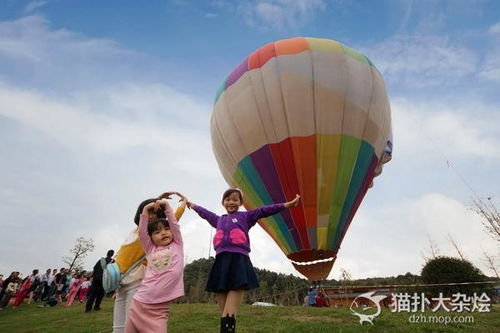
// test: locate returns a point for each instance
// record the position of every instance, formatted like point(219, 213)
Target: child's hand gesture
point(294, 202)
point(182, 198)
point(150, 207)
point(162, 204)
point(166, 195)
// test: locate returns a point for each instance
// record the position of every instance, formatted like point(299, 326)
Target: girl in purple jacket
point(232, 272)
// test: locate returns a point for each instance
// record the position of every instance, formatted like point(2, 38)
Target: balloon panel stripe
point(241, 69)
point(221, 89)
point(264, 165)
point(304, 152)
point(283, 161)
point(345, 167)
point(365, 156)
point(327, 156)
point(252, 200)
point(251, 174)
point(362, 192)
point(261, 56)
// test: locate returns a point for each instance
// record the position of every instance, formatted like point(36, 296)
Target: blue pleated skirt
point(231, 271)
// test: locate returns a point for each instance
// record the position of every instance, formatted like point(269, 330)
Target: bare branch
point(433, 251)
point(490, 262)
point(455, 245)
point(490, 216)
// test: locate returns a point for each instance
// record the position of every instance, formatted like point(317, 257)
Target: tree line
point(286, 289)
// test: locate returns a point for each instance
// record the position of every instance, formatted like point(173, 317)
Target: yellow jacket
point(132, 250)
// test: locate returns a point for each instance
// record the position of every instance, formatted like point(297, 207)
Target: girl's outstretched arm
point(146, 242)
point(269, 210)
point(205, 214)
point(294, 202)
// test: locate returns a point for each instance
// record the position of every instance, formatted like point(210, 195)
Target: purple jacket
point(232, 229)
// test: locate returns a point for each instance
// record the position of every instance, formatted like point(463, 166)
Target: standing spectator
point(13, 275)
point(96, 290)
point(67, 282)
point(10, 289)
point(52, 285)
point(320, 300)
point(23, 291)
point(59, 283)
point(34, 283)
point(62, 284)
point(84, 289)
point(1, 281)
point(312, 296)
point(73, 289)
point(44, 285)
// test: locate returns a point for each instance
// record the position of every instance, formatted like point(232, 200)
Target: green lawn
point(203, 318)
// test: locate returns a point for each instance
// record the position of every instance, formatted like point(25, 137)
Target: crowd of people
point(50, 288)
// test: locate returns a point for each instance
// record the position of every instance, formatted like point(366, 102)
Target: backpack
point(111, 276)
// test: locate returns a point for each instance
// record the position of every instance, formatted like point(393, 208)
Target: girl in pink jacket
point(75, 285)
point(164, 279)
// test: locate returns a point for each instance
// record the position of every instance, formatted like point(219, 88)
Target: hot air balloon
point(308, 116)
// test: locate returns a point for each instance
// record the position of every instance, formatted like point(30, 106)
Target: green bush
point(452, 270)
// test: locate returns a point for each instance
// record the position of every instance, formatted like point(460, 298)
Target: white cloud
point(30, 38)
point(422, 61)
point(32, 54)
point(34, 5)
point(143, 115)
point(390, 240)
point(280, 14)
point(495, 29)
point(431, 127)
point(490, 69)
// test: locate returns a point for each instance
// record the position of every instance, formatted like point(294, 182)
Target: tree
point(455, 245)
point(345, 280)
point(490, 217)
point(490, 261)
point(81, 249)
point(433, 251)
point(443, 270)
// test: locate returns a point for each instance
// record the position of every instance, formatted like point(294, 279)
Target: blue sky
point(105, 103)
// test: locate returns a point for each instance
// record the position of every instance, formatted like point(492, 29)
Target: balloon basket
point(313, 264)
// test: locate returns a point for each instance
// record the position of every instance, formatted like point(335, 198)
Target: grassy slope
point(203, 318)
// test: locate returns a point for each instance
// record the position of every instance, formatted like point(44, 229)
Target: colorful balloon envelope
point(308, 116)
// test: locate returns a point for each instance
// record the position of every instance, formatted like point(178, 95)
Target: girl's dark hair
point(156, 224)
point(138, 213)
point(231, 191)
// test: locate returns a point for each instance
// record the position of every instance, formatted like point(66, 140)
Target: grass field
point(203, 318)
